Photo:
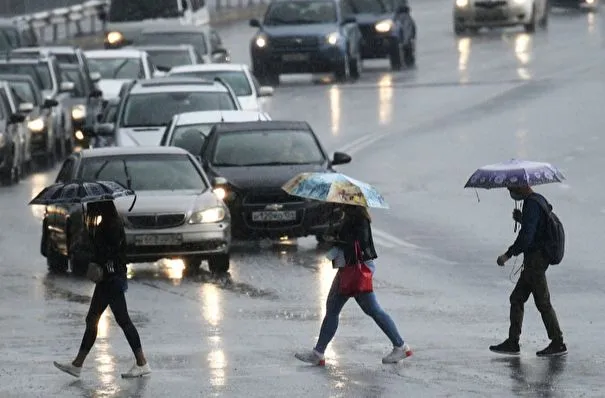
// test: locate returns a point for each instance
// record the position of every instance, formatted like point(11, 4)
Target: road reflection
point(105, 362)
point(39, 182)
point(464, 53)
point(335, 109)
point(591, 23)
point(537, 378)
point(211, 297)
point(523, 44)
point(521, 140)
point(385, 99)
point(325, 277)
point(169, 269)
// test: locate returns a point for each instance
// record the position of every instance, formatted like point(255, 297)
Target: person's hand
point(502, 259)
point(517, 215)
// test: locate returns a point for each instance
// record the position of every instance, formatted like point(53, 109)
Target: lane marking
point(393, 240)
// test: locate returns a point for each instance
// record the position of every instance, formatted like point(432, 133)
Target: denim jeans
point(368, 303)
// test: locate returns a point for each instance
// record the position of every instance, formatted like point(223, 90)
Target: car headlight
point(214, 214)
point(114, 37)
point(384, 26)
point(221, 193)
point(261, 41)
point(461, 3)
point(78, 112)
point(333, 38)
point(37, 125)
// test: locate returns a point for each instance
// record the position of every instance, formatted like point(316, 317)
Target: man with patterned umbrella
point(540, 239)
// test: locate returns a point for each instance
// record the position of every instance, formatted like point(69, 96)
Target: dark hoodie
point(109, 241)
point(356, 227)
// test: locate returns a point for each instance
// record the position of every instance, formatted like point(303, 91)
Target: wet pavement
point(417, 135)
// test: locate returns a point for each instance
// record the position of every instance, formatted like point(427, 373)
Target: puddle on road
point(53, 292)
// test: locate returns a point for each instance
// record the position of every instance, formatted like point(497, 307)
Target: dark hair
point(357, 212)
point(102, 212)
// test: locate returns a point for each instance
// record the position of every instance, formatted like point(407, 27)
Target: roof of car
point(208, 68)
point(176, 28)
point(47, 49)
point(116, 53)
point(131, 150)
point(25, 60)
point(261, 126)
point(187, 118)
point(176, 84)
point(165, 47)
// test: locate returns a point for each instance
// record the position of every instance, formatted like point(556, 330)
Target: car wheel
point(459, 29)
point(356, 65)
point(219, 264)
point(56, 262)
point(192, 263)
point(409, 53)
point(265, 76)
point(544, 19)
point(396, 54)
point(342, 73)
point(531, 26)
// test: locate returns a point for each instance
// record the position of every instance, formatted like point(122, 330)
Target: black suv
point(256, 159)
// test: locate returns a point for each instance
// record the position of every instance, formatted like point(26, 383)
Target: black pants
point(109, 293)
point(533, 281)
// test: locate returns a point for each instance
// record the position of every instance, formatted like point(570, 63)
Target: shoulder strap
point(541, 200)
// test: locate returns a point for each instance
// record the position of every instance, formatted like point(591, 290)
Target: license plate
point(273, 216)
point(494, 16)
point(295, 57)
point(158, 240)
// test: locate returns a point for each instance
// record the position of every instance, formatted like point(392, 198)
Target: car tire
point(265, 76)
point(544, 19)
point(192, 263)
point(409, 54)
point(459, 29)
point(342, 73)
point(56, 262)
point(219, 264)
point(396, 55)
point(356, 66)
point(531, 26)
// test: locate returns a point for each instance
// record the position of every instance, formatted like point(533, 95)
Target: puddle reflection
point(170, 269)
point(536, 377)
point(105, 362)
point(591, 23)
point(523, 43)
point(211, 297)
point(385, 99)
point(39, 182)
point(464, 52)
point(335, 109)
point(326, 276)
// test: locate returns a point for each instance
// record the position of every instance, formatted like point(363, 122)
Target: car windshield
point(39, 72)
point(266, 148)
point(196, 39)
point(11, 37)
point(300, 13)
point(24, 92)
point(147, 172)
point(74, 75)
point(117, 68)
point(370, 6)
point(139, 10)
point(191, 137)
point(170, 58)
point(237, 80)
point(157, 109)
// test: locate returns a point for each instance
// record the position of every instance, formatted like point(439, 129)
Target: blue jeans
point(369, 305)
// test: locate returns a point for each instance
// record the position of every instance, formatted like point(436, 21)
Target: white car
point(165, 57)
point(238, 76)
point(189, 130)
point(475, 14)
point(118, 67)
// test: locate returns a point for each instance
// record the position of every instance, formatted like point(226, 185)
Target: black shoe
point(508, 347)
point(554, 349)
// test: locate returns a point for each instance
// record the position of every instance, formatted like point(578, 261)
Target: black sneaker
point(508, 347)
point(554, 349)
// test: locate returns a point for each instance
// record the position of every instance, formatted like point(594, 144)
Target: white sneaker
point(68, 368)
point(398, 354)
point(137, 371)
point(313, 357)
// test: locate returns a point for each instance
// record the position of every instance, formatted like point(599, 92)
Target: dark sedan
point(256, 159)
point(588, 5)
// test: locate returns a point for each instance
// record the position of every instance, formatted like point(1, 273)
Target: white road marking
point(381, 235)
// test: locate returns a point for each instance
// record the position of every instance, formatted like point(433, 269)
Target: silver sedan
point(475, 14)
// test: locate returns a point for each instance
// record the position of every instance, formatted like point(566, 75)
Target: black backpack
point(554, 236)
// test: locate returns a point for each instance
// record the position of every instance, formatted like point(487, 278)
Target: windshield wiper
point(128, 180)
point(98, 173)
point(273, 164)
point(119, 68)
point(150, 128)
point(228, 165)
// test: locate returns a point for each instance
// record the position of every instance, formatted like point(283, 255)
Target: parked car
point(305, 36)
point(166, 57)
point(473, 15)
point(147, 108)
point(39, 142)
point(176, 213)
point(118, 67)
point(238, 76)
point(256, 159)
point(16, 34)
point(189, 130)
point(11, 136)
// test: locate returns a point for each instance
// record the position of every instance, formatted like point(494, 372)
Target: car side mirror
point(255, 23)
point(67, 87)
point(349, 20)
point(95, 76)
point(265, 91)
point(50, 103)
point(220, 55)
point(403, 9)
point(16, 118)
point(341, 158)
point(96, 94)
point(26, 107)
point(219, 181)
point(104, 129)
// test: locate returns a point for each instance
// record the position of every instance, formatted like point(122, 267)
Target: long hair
point(357, 212)
point(104, 213)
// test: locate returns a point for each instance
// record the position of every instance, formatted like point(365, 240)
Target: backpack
point(554, 237)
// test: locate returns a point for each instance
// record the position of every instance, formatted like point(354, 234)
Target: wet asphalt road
point(417, 135)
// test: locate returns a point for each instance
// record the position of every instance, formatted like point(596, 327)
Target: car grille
point(152, 221)
point(295, 43)
point(269, 197)
point(367, 31)
point(490, 4)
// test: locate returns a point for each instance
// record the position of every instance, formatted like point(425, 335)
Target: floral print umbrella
point(514, 173)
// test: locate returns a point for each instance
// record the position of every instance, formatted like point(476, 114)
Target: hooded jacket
point(109, 248)
point(356, 228)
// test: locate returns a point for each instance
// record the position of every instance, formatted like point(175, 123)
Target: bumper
point(497, 15)
point(205, 240)
point(293, 60)
point(574, 3)
point(39, 144)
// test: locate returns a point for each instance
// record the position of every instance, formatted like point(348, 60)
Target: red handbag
point(354, 279)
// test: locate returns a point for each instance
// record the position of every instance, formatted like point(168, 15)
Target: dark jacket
point(109, 242)
point(356, 228)
point(533, 228)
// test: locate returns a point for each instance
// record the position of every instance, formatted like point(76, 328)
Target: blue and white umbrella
point(514, 173)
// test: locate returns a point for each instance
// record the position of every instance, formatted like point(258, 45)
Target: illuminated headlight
point(461, 3)
point(78, 112)
point(384, 26)
point(221, 193)
point(261, 41)
point(36, 125)
point(333, 38)
point(214, 214)
point(79, 135)
point(114, 37)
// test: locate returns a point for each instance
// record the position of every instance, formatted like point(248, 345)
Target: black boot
point(554, 349)
point(508, 347)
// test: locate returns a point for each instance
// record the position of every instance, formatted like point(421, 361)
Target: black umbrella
point(81, 192)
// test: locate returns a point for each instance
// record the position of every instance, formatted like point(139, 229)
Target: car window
point(71, 59)
point(12, 36)
point(4, 108)
point(266, 148)
point(117, 68)
point(39, 72)
point(191, 137)
point(237, 80)
point(146, 172)
point(196, 39)
point(300, 12)
point(370, 6)
point(157, 109)
point(138, 10)
point(24, 92)
point(170, 58)
point(110, 113)
point(215, 40)
point(74, 75)
point(65, 174)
